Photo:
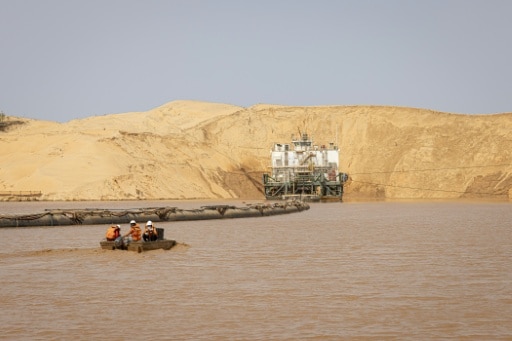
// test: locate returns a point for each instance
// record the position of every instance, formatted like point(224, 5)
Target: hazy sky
point(67, 59)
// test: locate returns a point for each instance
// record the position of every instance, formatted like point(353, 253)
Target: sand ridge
point(201, 150)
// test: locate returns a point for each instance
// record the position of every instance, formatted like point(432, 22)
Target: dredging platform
point(304, 171)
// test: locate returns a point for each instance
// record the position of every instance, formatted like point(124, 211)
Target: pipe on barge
point(61, 217)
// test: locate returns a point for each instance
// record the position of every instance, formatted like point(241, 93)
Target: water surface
point(367, 271)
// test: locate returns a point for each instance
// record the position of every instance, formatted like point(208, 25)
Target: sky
point(66, 59)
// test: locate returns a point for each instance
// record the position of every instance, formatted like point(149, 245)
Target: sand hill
point(196, 150)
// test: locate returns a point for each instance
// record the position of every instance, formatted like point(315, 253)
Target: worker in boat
point(113, 233)
point(134, 234)
point(150, 233)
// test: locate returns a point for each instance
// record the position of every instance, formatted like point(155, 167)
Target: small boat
point(140, 245)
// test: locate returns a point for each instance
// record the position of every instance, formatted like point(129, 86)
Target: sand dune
point(198, 150)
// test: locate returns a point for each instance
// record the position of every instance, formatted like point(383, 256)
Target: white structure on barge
point(305, 171)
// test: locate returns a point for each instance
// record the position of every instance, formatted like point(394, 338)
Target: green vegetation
point(7, 123)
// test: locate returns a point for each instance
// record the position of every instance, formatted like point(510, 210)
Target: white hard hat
point(118, 226)
point(132, 222)
point(149, 223)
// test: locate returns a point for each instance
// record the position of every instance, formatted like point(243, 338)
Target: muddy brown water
point(364, 271)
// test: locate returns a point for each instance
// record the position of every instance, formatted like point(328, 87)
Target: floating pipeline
point(60, 217)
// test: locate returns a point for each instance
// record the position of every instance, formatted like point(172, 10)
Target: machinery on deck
point(304, 171)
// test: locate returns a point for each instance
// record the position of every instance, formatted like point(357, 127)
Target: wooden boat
point(139, 246)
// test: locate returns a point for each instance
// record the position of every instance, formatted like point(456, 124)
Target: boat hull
point(139, 246)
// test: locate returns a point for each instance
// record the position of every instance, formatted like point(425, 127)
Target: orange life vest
point(112, 233)
point(135, 232)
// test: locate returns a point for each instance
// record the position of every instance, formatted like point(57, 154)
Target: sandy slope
point(188, 150)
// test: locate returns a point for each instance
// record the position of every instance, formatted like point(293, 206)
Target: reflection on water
point(352, 270)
